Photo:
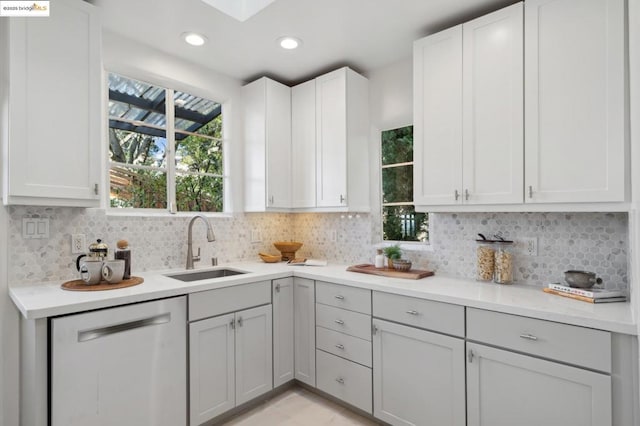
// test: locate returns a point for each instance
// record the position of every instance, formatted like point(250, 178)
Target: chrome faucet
point(210, 237)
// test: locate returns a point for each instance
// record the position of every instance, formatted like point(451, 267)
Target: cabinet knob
point(412, 312)
point(339, 346)
point(466, 195)
point(530, 191)
point(339, 322)
point(277, 288)
point(340, 380)
point(232, 324)
point(239, 321)
point(339, 297)
point(95, 189)
point(456, 195)
point(342, 199)
point(470, 355)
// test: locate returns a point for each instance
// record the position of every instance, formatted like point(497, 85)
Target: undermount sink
point(205, 275)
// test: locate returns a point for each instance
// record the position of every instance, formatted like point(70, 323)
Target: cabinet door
point(254, 360)
point(437, 118)
point(303, 145)
point(282, 331)
point(267, 141)
point(304, 330)
point(493, 133)
point(505, 388)
point(574, 101)
point(278, 123)
point(418, 376)
point(211, 367)
point(331, 139)
point(55, 108)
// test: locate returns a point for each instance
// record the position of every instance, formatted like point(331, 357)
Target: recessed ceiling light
point(289, 43)
point(194, 39)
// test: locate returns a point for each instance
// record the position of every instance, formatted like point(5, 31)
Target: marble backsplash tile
point(596, 242)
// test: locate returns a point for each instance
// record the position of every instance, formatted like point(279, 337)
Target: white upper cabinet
point(303, 145)
point(267, 132)
point(51, 107)
point(437, 118)
point(468, 135)
point(342, 130)
point(575, 101)
point(492, 99)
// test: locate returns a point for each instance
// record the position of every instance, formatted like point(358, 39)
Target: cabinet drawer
point(351, 323)
point(437, 316)
point(346, 380)
point(568, 343)
point(345, 346)
point(229, 299)
point(351, 298)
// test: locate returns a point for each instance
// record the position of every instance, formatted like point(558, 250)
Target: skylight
point(239, 9)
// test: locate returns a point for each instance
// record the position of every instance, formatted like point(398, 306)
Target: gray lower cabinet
point(505, 388)
point(304, 331)
point(418, 376)
point(283, 333)
point(230, 361)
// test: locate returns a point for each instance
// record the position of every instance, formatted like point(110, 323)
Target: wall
point(135, 60)
point(157, 242)
point(591, 241)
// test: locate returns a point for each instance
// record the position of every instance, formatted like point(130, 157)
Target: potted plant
point(392, 252)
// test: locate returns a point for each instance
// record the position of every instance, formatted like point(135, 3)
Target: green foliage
point(148, 188)
point(400, 222)
point(397, 145)
point(392, 252)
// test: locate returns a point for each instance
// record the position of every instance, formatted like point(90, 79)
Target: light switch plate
point(34, 228)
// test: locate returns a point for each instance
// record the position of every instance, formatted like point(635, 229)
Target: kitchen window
point(400, 222)
point(165, 148)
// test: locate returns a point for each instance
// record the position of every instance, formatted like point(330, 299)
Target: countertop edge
point(43, 300)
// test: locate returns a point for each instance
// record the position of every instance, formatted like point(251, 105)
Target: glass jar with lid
point(503, 262)
point(485, 260)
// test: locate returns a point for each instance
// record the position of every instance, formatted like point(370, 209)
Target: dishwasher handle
point(96, 333)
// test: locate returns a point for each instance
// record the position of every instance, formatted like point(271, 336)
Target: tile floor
point(299, 407)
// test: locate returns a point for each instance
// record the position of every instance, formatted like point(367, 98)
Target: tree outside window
point(141, 131)
point(400, 222)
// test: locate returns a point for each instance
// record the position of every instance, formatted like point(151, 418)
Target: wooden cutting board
point(412, 274)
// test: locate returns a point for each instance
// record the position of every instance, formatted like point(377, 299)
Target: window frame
point(404, 245)
point(170, 169)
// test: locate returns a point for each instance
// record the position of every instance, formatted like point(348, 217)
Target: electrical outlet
point(255, 236)
point(333, 236)
point(78, 243)
point(530, 246)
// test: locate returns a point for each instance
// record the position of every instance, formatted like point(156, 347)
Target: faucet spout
point(210, 237)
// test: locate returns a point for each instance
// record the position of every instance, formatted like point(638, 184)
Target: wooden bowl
point(270, 258)
point(287, 248)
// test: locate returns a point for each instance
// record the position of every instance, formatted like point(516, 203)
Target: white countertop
point(48, 299)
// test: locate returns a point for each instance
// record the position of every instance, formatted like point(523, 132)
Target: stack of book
point(592, 295)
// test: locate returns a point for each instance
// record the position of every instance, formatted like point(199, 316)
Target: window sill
point(406, 245)
point(163, 213)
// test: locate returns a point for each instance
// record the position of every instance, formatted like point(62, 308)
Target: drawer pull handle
point(412, 312)
point(340, 380)
point(339, 346)
point(529, 336)
point(339, 322)
point(339, 297)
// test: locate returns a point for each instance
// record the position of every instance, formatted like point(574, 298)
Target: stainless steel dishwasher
point(120, 366)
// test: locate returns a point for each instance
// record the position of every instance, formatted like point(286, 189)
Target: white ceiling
point(363, 34)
